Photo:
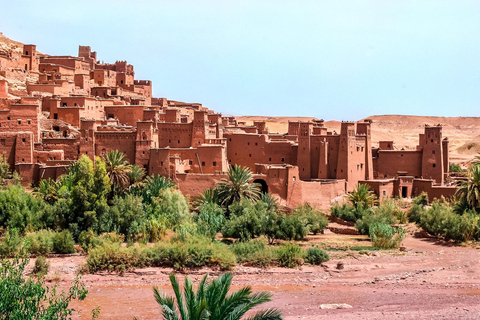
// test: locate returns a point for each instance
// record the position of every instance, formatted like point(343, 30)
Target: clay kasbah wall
point(53, 109)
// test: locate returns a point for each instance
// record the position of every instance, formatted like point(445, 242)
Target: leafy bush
point(194, 252)
point(41, 266)
point(210, 219)
point(415, 213)
point(24, 298)
point(381, 215)
point(63, 242)
point(19, 209)
point(40, 242)
point(385, 236)
point(455, 167)
point(11, 243)
point(170, 207)
point(290, 255)
point(314, 219)
point(316, 256)
point(349, 213)
point(246, 220)
point(293, 227)
point(254, 252)
point(440, 220)
point(125, 216)
point(112, 257)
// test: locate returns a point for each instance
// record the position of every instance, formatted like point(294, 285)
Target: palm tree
point(363, 196)
point(211, 301)
point(118, 169)
point(207, 197)
point(237, 186)
point(47, 190)
point(136, 174)
point(469, 191)
point(153, 185)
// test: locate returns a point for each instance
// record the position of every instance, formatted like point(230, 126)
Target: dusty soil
point(431, 279)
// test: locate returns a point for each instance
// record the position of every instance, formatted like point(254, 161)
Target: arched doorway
point(263, 185)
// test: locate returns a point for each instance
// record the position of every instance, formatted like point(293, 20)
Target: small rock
point(335, 306)
point(340, 265)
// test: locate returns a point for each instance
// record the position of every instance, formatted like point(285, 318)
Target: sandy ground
point(430, 280)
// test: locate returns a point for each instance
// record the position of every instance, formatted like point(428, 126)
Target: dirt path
point(429, 280)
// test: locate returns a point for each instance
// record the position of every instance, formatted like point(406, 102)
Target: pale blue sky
point(336, 59)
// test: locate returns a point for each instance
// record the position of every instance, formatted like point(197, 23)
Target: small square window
point(433, 151)
point(434, 165)
point(214, 163)
point(203, 163)
point(190, 162)
point(283, 159)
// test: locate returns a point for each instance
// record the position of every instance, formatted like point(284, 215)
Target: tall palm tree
point(118, 169)
point(211, 301)
point(237, 186)
point(363, 196)
point(469, 191)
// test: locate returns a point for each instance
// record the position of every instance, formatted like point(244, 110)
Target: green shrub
point(40, 242)
point(421, 199)
point(209, 219)
point(316, 256)
point(63, 242)
point(25, 298)
point(385, 236)
point(247, 220)
point(194, 252)
point(315, 220)
point(440, 220)
point(112, 257)
point(293, 227)
point(254, 252)
point(384, 214)
point(126, 216)
point(348, 212)
point(41, 266)
point(415, 213)
point(290, 255)
point(11, 243)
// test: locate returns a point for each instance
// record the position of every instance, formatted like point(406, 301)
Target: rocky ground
point(431, 279)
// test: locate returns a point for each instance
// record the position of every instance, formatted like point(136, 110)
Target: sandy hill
point(463, 132)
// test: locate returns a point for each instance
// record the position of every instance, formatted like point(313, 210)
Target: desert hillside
point(463, 132)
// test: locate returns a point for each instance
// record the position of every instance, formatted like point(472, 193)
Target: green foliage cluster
point(41, 266)
point(211, 301)
point(316, 256)
point(40, 242)
point(455, 167)
point(440, 220)
point(385, 236)
point(254, 252)
point(193, 253)
point(26, 298)
point(253, 219)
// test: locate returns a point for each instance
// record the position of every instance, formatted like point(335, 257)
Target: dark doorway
point(404, 192)
point(262, 184)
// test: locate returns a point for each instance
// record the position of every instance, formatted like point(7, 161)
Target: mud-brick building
point(407, 173)
point(53, 109)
